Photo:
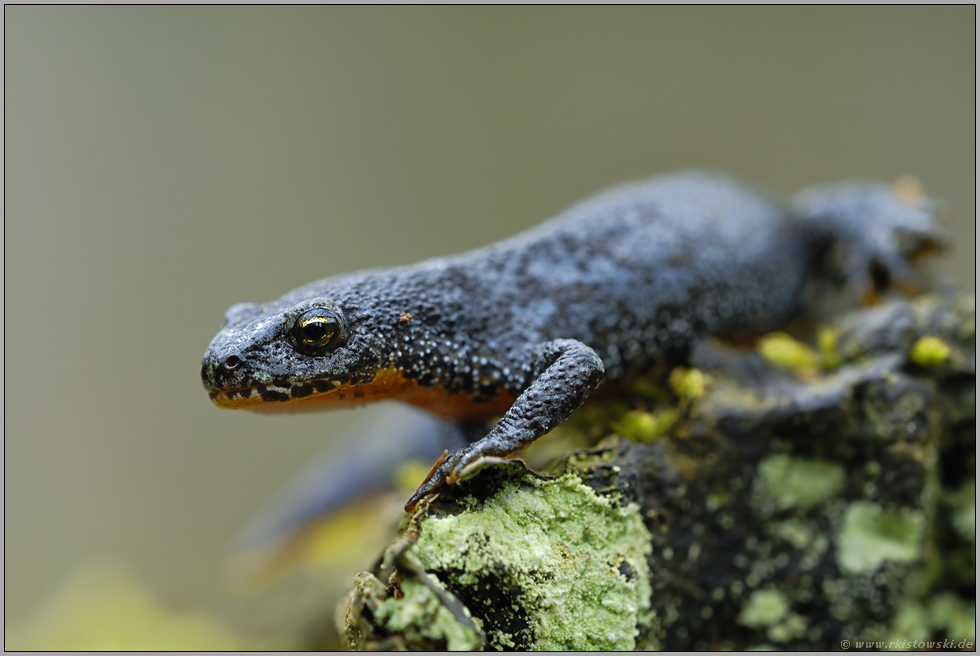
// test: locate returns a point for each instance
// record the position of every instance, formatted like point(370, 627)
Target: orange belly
point(387, 384)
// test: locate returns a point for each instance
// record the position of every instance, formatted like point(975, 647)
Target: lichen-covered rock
point(784, 502)
point(542, 563)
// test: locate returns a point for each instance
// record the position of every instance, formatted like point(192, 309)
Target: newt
point(526, 329)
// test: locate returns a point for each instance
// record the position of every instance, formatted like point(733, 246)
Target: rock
point(772, 506)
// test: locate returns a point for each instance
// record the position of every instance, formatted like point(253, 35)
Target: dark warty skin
point(528, 328)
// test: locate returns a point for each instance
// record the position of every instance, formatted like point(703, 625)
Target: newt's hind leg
point(567, 371)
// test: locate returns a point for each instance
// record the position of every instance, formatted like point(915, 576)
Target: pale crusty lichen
point(769, 609)
point(798, 483)
point(543, 564)
point(764, 607)
point(945, 614)
point(421, 612)
point(963, 503)
point(871, 535)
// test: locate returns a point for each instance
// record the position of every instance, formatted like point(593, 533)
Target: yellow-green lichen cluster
point(782, 350)
point(929, 351)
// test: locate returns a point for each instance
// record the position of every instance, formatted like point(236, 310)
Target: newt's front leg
point(567, 373)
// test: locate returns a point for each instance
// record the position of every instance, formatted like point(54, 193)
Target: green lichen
point(799, 483)
point(871, 535)
point(964, 505)
point(571, 564)
point(421, 612)
point(911, 623)
point(792, 627)
point(764, 608)
point(796, 533)
point(770, 609)
point(944, 614)
point(957, 617)
point(929, 351)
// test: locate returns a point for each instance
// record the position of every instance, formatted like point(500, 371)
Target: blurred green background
point(164, 163)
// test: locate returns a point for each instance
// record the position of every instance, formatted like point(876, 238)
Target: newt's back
point(642, 269)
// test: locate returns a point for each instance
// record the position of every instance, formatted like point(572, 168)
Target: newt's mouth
point(284, 396)
point(391, 383)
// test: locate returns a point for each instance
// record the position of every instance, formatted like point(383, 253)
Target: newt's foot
point(444, 471)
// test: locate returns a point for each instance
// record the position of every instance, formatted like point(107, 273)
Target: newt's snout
point(220, 374)
point(230, 385)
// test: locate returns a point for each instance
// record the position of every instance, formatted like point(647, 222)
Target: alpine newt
point(528, 328)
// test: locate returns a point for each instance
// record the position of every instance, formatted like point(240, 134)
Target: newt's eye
point(318, 331)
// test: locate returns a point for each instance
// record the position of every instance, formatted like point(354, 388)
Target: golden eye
point(318, 331)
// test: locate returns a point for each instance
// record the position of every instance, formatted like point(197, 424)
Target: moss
point(827, 346)
point(798, 483)
point(928, 351)
point(872, 535)
point(782, 350)
point(641, 426)
point(688, 384)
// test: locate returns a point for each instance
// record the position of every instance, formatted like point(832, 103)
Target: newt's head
point(293, 357)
